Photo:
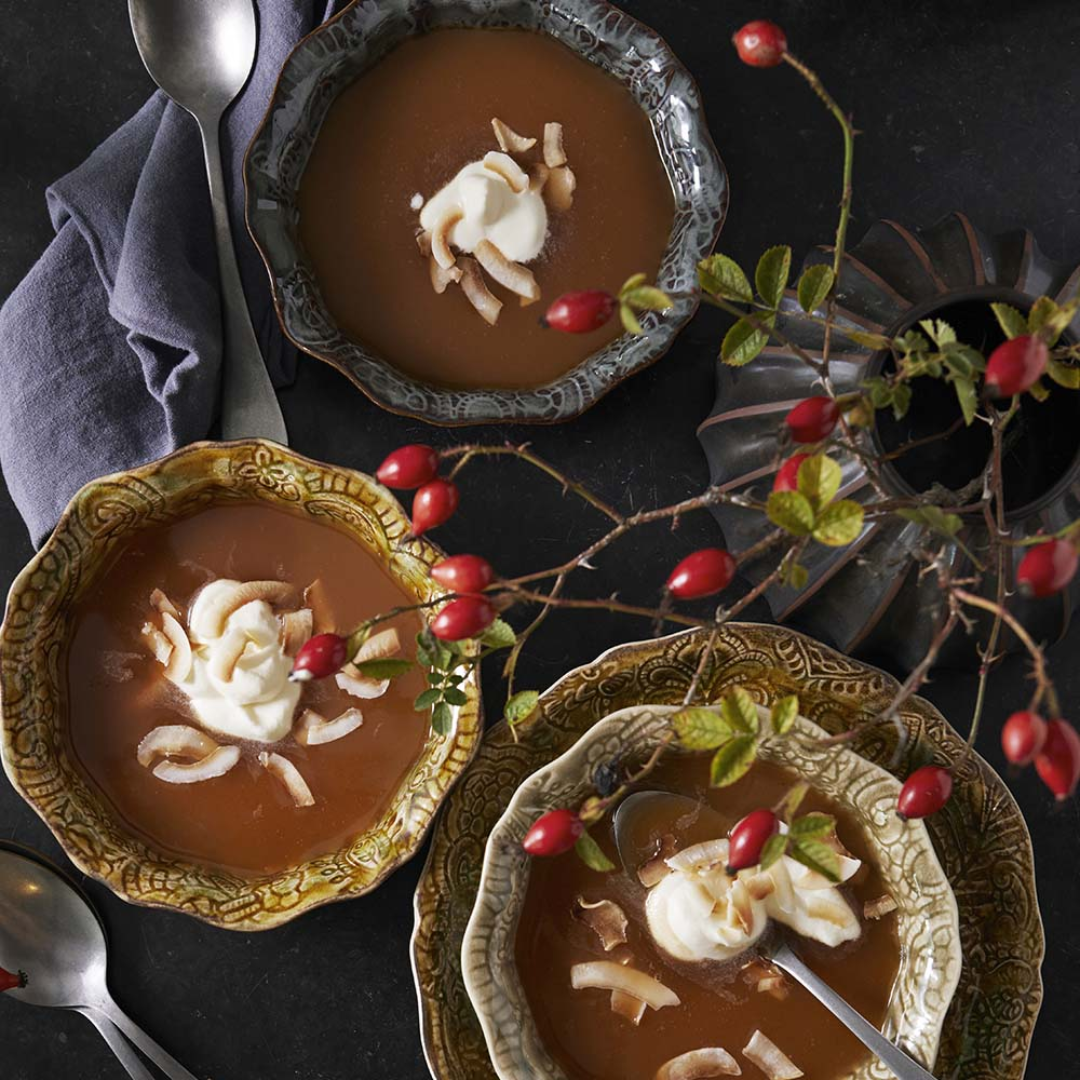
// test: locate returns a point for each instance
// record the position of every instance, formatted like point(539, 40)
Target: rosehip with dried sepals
point(465, 617)
point(580, 312)
point(760, 43)
point(924, 792)
point(553, 833)
point(749, 837)
point(464, 573)
point(1023, 736)
point(787, 476)
point(1015, 366)
point(11, 980)
point(409, 467)
point(703, 573)
point(433, 505)
point(1058, 764)
point(320, 657)
point(1047, 568)
point(813, 419)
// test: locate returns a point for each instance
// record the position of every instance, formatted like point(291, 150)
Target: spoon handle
point(249, 405)
point(118, 1044)
point(902, 1065)
point(161, 1058)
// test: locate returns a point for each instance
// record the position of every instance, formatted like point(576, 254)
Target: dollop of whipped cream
point(697, 912)
point(514, 221)
point(251, 697)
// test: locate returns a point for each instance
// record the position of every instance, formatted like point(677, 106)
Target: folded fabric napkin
point(110, 348)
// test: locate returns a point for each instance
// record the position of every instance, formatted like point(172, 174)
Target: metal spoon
point(200, 53)
point(49, 930)
point(630, 828)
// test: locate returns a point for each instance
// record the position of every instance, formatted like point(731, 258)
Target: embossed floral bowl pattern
point(927, 919)
point(332, 57)
point(33, 691)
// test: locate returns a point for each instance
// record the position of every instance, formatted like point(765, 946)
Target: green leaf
point(839, 523)
point(426, 649)
point(633, 282)
point(1064, 374)
point(631, 323)
point(794, 575)
point(791, 511)
point(817, 856)
point(819, 480)
point(866, 337)
point(968, 397)
point(733, 760)
point(774, 849)
point(813, 826)
point(427, 698)
point(739, 710)
point(592, 855)
point(814, 287)
point(784, 713)
point(383, 669)
point(442, 718)
point(521, 706)
point(772, 273)
point(1011, 321)
point(646, 298)
point(723, 277)
point(499, 635)
point(701, 729)
point(939, 331)
point(792, 800)
point(742, 343)
point(1042, 311)
point(933, 518)
point(1039, 391)
point(901, 400)
point(454, 696)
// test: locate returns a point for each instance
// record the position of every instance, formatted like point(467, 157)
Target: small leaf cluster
point(1048, 319)
point(635, 297)
point(813, 509)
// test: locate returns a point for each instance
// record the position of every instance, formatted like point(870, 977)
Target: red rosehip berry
point(465, 617)
point(1058, 764)
point(409, 467)
point(749, 837)
point(1016, 365)
point(1047, 568)
point(11, 980)
point(553, 833)
point(464, 573)
point(433, 505)
point(703, 573)
point(1023, 736)
point(924, 792)
point(813, 419)
point(787, 476)
point(760, 43)
point(581, 312)
point(320, 657)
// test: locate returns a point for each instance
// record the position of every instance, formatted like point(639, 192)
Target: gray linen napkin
point(110, 348)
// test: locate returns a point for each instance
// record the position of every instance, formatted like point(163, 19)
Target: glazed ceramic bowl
point(331, 58)
point(38, 622)
point(927, 918)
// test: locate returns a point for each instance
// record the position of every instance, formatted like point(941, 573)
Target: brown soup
point(245, 820)
point(406, 127)
point(591, 1042)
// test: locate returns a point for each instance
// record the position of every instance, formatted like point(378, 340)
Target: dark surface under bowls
point(963, 105)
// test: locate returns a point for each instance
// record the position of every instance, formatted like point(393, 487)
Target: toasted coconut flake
point(379, 646)
point(321, 610)
point(440, 236)
point(606, 975)
point(879, 908)
point(605, 918)
point(742, 905)
point(770, 1059)
point(515, 277)
point(226, 656)
point(759, 886)
point(162, 603)
point(423, 242)
point(656, 869)
point(159, 644)
point(560, 188)
point(775, 986)
point(699, 1064)
point(230, 600)
point(178, 666)
point(442, 277)
point(554, 151)
point(627, 1006)
point(506, 167)
point(315, 730)
point(479, 295)
point(215, 764)
point(352, 682)
point(538, 176)
point(508, 139)
point(704, 856)
point(174, 740)
point(289, 775)
point(296, 628)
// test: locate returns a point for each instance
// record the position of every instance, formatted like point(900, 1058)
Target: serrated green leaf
point(592, 855)
point(939, 331)
point(815, 855)
point(739, 710)
point(742, 343)
point(427, 698)
point(723, 277)
point(775, 847)
point(1011, 321)
point(790, 511)
point(631, 323)
point(1064, 374)
point(813, 826)
point(1042, 311)
point(839, 523)
point(772, 273)
point(933, 518)
point(701, 729)
point(442, 718)
point(866, 337)
point(968, 397)
point(499, 635)
point(784, 713)
point(521, 706)
point(646, 298)
point(387, 668)
point(814, 287)
point(819, 480)
point(733, 760)
point(454, 696)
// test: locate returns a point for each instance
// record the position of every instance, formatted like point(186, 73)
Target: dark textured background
point(964, 104)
